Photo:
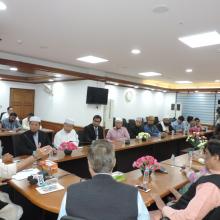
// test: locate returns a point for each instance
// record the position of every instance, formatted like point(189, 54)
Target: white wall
point(69, 100)
point(143, 103)
point(5, 92)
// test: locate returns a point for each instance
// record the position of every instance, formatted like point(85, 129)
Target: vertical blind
point(201, 105)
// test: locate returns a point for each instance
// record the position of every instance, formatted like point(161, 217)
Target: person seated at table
point(102, 197)
point(151, 128)
point(178, 125)
point(10, 124)
point(165, 125)
point(9, 210)
point(33, 138)
point(93, 131)
point(67, 134)
point(198, 124)
point(187, 124)
point(202, 200)
point(6, 114)
point(26, 121)
point(137, 128)
point(118, 133)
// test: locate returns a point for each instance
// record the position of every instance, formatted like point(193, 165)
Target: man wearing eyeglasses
point(93, 131)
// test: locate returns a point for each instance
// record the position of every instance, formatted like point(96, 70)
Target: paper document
point(49, 188)
point(25, 173)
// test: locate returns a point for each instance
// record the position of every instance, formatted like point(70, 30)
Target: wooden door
point(22, 101)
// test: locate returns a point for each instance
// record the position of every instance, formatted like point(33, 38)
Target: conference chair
point(2, 115)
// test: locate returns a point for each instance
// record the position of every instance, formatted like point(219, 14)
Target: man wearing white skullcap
point(118, 132)
point(33, 138)
point(66, 134)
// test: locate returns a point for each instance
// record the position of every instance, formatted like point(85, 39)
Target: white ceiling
point(62, 31)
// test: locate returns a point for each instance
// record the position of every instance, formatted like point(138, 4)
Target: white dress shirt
point(63, 136)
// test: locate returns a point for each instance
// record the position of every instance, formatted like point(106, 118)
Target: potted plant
point(143, 136)
point(146, 162)
point(68, 147)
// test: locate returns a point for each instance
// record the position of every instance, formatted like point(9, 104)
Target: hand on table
point(43, 152)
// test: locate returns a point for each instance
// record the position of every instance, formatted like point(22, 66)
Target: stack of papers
point(24, 174)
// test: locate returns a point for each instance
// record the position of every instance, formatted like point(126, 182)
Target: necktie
point(96, 133)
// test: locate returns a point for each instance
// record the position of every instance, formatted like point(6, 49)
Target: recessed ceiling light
point(183, 82)
point(136, 87)
point(92, 59)
point(50, 80)
point(217, 80)
point(188, 70)
point(116, 84)
point(164, 90)
point(196, 91)
point(13, 68)
point(150, 74)
point(201, 40)
point(159, 9)
point(0, 78)
point(152, 89)
point(135, 51)
point(2, 6)
point(58, 75)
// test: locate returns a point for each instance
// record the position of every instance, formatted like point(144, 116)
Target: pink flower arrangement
point(68, 146)
point(146, 162)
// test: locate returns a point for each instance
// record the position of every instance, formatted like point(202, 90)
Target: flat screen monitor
point(97, 96)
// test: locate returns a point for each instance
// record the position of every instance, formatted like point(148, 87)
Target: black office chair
point(2, 115)
point(17, 145)
point(71, 218)
point(81, 137)
point(131, 122)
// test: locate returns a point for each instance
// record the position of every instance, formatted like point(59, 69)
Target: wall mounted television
point(97, 96)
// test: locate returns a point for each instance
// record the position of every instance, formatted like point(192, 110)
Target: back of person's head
point(30, 114)
point(213, 146)
point(189, 118)
point(13, 114)
point(101, 156)
point(181, 118)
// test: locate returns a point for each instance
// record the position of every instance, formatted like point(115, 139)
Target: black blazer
point(28, 145)
point(89, 133)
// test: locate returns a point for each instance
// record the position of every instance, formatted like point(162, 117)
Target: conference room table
point(159, 183)
point(126, 154)
point(6, 138)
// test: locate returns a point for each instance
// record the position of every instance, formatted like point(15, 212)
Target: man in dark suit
point(102, 197)
point(136, 129)
point(93, 131)
point(33, 138)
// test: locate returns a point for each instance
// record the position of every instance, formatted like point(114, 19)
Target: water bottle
point(146, 177)
point(190, 157)
point(173, 160)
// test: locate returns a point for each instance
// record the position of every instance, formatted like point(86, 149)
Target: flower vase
point(144, 139)
point(150, 172)
point(67, 152)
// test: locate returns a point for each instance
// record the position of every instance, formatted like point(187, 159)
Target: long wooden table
point(161, 149)
point(159, 184)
